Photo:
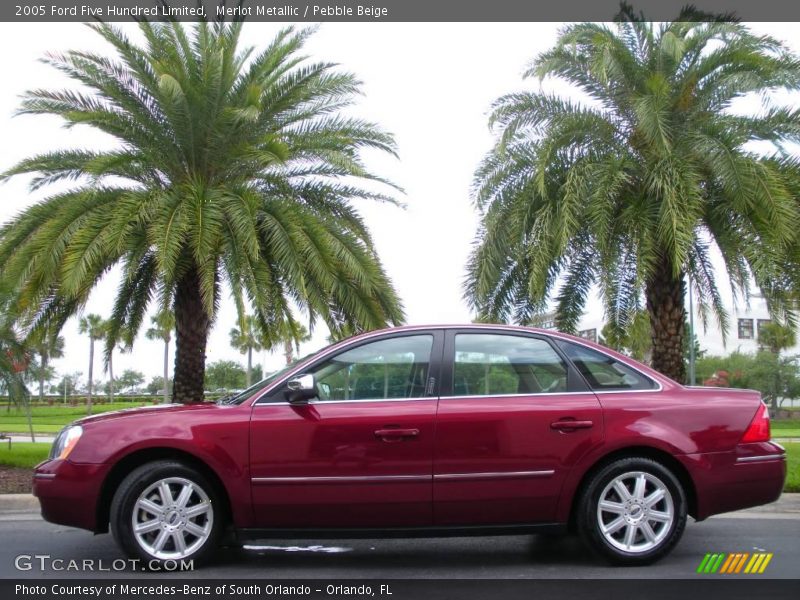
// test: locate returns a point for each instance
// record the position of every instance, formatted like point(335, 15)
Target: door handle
point(396, 435)
point(568, 425)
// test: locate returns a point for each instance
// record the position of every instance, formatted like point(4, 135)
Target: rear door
point(512, 419)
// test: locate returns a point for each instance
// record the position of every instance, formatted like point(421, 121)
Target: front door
point(360, 453)
point(513, 419)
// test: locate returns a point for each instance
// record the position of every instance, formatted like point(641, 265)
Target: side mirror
point(301, 388)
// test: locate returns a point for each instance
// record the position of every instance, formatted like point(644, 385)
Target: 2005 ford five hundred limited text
point(450, 430)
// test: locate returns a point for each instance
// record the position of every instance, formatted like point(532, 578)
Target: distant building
point(589, 327)
point(745, 324)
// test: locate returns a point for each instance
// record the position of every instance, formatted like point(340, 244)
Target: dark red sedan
point(438, 430)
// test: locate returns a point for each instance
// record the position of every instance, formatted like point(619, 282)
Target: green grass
point(50, 419)
point(783, 428)
point(23, 454)
point(786, 433)
point(792, 467)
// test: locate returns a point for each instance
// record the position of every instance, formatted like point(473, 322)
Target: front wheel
point(632, 511)
point(166, 511)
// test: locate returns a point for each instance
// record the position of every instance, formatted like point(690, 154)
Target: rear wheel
point(632, 511)
point(166, 511)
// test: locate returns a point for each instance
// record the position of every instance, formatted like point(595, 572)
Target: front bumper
point(751, 475)
point(68, 492)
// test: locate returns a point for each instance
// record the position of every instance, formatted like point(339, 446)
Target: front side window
point(387, 369)
point(603, 372)
point(493, 364)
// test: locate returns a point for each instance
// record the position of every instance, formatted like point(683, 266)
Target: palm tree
point(635, 340)
point(342, 334)
point(94, 326)
point(776, 337)
point(163, 324)
point(15, 358)
point(109, 359)
point(289, 333)
point(49, 345)
point(232, 166)
point(110, 369)
point(292, 337)
point(635, 188)
point(247, 338)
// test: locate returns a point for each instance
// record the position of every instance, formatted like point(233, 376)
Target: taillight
point(758, 431)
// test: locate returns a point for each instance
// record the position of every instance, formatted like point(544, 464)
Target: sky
point(431, 85)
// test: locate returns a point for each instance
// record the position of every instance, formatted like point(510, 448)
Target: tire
point(637, 528)
point(188, 528)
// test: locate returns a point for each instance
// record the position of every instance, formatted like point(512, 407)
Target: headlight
point(65, 442)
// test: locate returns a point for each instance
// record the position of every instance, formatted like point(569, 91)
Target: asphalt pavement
point(774, 529)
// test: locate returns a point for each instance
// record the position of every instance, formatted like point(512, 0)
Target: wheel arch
point(664, 458)
point(137, 458)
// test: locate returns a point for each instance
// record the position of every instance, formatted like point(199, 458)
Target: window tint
point(393, 368)
point(487, 364)
point(604, 372)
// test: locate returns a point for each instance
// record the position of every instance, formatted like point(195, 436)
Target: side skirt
point(248, 534)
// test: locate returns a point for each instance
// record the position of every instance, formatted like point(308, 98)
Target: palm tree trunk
point(249, 365)
point(42, 369)
point(91, 375)
point(665, 293)
point(288, 351)
point(191, 334)
point(166, 371)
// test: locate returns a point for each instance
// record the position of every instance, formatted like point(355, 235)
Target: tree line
point(221, 375)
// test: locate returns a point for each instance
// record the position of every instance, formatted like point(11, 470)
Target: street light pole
point(691, 336)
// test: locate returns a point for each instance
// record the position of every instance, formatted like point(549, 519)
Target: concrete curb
point(18, 503)
point(788, 503)
point(45, 438)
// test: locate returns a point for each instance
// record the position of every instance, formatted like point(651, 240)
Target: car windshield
point(257, 387)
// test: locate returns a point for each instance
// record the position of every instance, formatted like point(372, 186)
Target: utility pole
point(691, 336)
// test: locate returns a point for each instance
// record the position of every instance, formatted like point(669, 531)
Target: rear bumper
point(751, 475)
point(68, 492)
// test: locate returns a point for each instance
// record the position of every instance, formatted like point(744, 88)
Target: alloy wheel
point(172, 518)
point(635, 512)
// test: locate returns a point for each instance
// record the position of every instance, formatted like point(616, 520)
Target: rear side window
point(491, 365)
point(603, 372)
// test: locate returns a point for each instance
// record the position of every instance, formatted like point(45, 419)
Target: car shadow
point(406, 555)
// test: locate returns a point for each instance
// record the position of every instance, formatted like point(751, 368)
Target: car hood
point(163, 409)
